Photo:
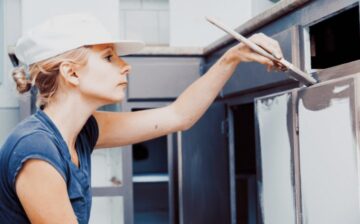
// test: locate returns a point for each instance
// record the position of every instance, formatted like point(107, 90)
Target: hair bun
point(22, 84)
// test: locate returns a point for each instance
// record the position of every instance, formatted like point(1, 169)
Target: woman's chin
point(113, 97)
point(119, 97)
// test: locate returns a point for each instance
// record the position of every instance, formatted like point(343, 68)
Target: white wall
point(259, 6)
point(34, 11)
point(11, 13)
point(188, 26)
point(146, 20)
point(9, 106)
point(157, 22)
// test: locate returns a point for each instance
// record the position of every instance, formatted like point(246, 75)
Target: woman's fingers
point(252, 56)
point(268, 44)
point(244, 53)
point(280, 67)
point(277, 66)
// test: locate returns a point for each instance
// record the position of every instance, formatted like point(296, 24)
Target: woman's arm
point(117, 129)
point(43, 194)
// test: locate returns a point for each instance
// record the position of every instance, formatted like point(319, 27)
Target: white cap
point(66, 32)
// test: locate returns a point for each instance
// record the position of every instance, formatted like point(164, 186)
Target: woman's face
point(104, 78)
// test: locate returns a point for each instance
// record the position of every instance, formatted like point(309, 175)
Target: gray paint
point(173, 178)
point(232, 172)
point(329, 154)
point(107, 191)
point(276, 189)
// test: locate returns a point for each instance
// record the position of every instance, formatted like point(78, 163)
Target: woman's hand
point(242, 53)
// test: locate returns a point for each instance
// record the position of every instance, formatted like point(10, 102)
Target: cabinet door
point(204, 171)
point(329, 155)
point(275, 152)
point(308, 147)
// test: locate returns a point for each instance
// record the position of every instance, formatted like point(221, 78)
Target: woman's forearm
point(196, 99)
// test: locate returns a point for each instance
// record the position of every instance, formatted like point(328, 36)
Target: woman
point(74, 64)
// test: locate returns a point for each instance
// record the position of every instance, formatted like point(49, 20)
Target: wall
point(147, 20)
point(259, 6)
point(9, 106)
point(34, 11)
point(126, 19)
point(188, 26)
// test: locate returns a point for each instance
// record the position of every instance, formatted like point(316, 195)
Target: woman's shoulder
point(31, 129)
point(30, 136)
point(30, 139)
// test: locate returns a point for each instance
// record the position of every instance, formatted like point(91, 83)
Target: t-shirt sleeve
point(37, 145)
point(91, 131)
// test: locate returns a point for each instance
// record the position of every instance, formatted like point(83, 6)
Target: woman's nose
point(125, 70)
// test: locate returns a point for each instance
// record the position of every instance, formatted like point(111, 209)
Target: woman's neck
point(69, 116)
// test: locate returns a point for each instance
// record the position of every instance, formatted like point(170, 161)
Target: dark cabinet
point(151, 181)
point(254, 76)
point(204, 191)
point(183, 177)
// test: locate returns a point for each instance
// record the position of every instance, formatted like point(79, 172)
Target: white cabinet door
point(308, 154)
point(329, 153)
point(274, 123)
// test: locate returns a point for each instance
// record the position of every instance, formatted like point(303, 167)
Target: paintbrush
point(296, 73)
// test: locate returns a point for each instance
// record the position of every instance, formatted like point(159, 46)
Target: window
point(147, 20)
point(335, 40)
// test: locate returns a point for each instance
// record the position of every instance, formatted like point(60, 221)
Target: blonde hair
point(45, 74)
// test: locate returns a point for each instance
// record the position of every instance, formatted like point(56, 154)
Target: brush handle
point(243, 39)
point(308, 79)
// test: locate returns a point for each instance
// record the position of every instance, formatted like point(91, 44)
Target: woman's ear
point(68, 72)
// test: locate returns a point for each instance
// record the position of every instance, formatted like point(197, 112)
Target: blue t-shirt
point(38, 137)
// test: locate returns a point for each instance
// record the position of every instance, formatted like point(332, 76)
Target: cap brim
point(126, 47)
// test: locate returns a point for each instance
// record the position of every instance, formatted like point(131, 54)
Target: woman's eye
point(108, 57)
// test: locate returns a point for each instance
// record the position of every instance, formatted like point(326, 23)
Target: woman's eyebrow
point(107, 50)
